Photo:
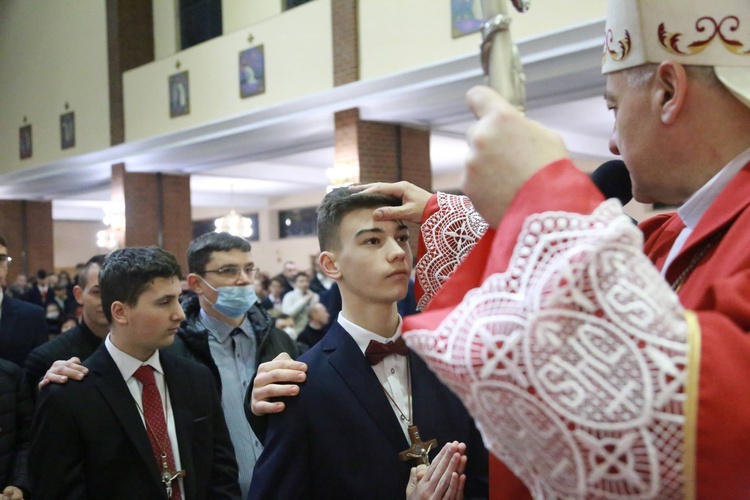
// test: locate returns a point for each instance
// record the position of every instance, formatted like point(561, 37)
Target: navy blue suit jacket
point(23, 327)
point(339, 438)
point(88, 439)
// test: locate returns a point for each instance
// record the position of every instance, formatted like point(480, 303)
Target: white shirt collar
point(127, 364)
point(362, 336)
point(693, 209)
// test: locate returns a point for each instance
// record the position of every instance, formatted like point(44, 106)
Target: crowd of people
point(593, 358)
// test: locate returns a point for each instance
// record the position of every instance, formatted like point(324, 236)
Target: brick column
point(157, 210)
point(383, 152)
point(344, 14)
point(130, 43)
point(27, 228)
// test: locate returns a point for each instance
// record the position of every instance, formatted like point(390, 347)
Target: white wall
point(74, 242)
point(52, 53)
point(238, 14)
point(295, 66)
point(166, 27)
point(396, 35)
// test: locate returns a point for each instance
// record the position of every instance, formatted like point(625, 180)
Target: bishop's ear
point(671, 86)
point(329, 266)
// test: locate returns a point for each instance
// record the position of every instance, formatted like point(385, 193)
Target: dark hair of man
point(200, 249)
point(128, 272)
point(2, 242)
point(340, 202)
point(301, 273)
point(82, 278)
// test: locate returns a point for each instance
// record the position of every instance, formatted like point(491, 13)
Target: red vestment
point(717, 289)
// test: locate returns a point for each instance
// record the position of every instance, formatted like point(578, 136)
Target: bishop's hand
point(413, 199)
point(506, 149)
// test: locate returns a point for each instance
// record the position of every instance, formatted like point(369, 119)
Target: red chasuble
point(712, 405)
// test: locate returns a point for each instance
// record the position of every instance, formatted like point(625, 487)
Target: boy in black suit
point(345, 435)
point(142, 423)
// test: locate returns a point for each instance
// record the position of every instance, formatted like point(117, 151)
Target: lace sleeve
point(449, 235)
point(573, 361)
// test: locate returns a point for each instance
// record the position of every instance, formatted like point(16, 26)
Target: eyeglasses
point(5, 259)
point(232, 272)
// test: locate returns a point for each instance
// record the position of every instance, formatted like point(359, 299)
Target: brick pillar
point(157, 210)
point(27, 228)
point(383, 152)
point(130, 43)
point(344, 14)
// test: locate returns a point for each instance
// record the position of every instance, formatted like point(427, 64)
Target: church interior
point(143, 122)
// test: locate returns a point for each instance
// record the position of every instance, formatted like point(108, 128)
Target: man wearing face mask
point(227, 330)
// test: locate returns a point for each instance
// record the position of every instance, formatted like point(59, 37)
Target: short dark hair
point(41, 274)
point(200, 249)
point(82, 278)
point(127, 273)
point(301, 273)
point(340, 202)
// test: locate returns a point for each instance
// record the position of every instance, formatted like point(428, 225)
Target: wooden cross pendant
point(419, 449)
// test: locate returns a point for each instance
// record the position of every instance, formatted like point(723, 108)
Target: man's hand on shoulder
point(12, 493)
point(276, 378)
point(443, 479)
point(62, 371)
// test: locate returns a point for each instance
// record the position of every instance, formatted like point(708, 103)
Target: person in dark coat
point(16, 411)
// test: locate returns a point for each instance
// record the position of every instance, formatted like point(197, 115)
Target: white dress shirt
point(392, 372)
point(127, 365)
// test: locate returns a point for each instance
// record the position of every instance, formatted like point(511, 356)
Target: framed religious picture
point(67, 130)
point(24, 142)
point(179, 94)
point(466, 17)
point(252, 72)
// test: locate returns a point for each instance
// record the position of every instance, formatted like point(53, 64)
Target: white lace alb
point(572, 361)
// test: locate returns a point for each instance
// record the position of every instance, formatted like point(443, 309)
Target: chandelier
point(341, 175)
point(236, 224)
point(113, 237)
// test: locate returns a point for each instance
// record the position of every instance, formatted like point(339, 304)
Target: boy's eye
point(371, 241)
point(404, 238)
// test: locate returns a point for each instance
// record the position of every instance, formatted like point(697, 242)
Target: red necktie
point(376, 351)
point(156, 425)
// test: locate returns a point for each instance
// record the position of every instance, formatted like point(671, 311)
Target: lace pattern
point(449, 235)
point(573, 361)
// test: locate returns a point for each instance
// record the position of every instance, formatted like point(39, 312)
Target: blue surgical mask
point(234, 301)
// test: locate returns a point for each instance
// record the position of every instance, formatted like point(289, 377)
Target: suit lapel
point(178, 386)
point(346, 358)
point(115, 391)
point(425, 403)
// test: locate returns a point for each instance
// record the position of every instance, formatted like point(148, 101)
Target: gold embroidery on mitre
point(624, 44)
point(723, 29)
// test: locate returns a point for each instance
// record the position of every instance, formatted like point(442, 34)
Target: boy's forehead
point(161, 286)
point(362, 219)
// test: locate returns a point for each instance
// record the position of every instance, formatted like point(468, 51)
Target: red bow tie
point(376, 351)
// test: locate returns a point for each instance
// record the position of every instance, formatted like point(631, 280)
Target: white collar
point(693, 209)
point(127, 364)
point(362, 336)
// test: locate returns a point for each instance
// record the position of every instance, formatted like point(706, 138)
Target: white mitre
point(692, 32)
